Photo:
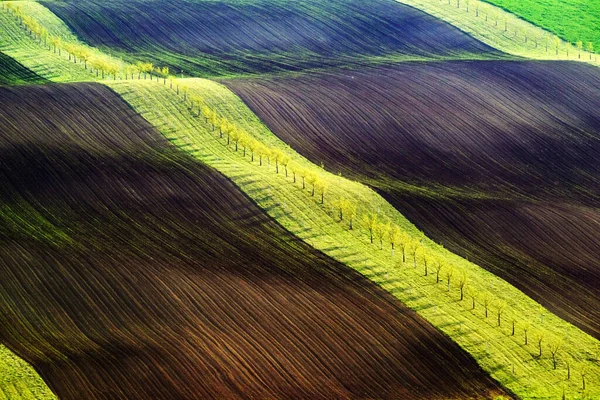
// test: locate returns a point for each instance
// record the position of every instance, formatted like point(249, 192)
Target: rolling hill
point(130, 270)
point(14, 73)
point(496, 160)
point(206, 38)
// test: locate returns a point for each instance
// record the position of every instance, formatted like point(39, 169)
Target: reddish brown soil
point(130, 271)
point(496, 160)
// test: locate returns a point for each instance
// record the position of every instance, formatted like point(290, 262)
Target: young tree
point(322, 186)
point(184, 89)
point(311, 178)
point(165, 74)
point(579, 45)
point(554, 347)
point(293, 169)
point(244, 141)
point(303, 173)
point(235, 135)
point(473, 295)
point(171, 80)
point(449, 273)
point(261, 150)
point(381, 231)
point(526, 327)
point(285, 161)
point(438, 266)
point(540, 337)
point(584, 372)
point(499, 311)
point(277, 155)
point(414, 247)
point(403, 242)
point(351, 214)
point(487, 302)
point(556, 42)
point(55, 40)
point(370, 221)
point(394, 235)
point(84, 55)
point(590, 48)
point(462, 281)
point(340, 204)
point(252, 146)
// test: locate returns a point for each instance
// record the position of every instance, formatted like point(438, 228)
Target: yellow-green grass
point(496, 350)
point(493, 347)
point(18, 380)
point(512, 40)
point(32, 54)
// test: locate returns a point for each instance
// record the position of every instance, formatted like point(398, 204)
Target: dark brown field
point(232, 37)
point(130, 271)
point(496, 160)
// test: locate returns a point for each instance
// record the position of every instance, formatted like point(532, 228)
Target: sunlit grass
point(504, 30)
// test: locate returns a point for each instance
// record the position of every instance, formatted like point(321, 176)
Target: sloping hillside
point(233, 37)
point(496, 160)
point(130, 270)
point(13, 73)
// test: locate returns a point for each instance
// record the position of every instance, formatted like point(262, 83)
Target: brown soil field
point(131, 271)
point(496, 160)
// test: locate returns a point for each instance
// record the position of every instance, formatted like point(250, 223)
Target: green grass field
point(507, 31)
point(19, 381)
point(503, 355)
point(572, 20)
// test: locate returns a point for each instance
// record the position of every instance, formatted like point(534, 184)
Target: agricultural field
point(167, 237)
point(105, 224)
point(573, 20)
point(208, 38)
point(496, 160)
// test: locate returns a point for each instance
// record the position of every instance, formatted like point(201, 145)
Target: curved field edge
point(225, 38)
point(144, 239)
point(503, 30)
point(497, 351)
point(18, 380)
point(575, 20)
point(13, 73)
point(494, 348)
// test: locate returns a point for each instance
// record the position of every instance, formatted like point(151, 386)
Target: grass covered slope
point(130, 270)
point(573, 20)
point(496, 160)
point(14, 73)
point(234, 37)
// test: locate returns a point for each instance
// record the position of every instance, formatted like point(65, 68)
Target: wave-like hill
point(13, 73)
point(232, 37)
point(129, 270)
point(496, 160)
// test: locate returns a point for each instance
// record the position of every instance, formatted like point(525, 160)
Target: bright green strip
point(494, 348)
point(18, 380)
point(33, 54)
point(503, 30)
point(572, 20)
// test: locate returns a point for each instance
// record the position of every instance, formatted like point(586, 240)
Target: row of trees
point(382, 232)
point(528, 34)
point(101, 65)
